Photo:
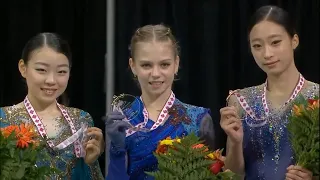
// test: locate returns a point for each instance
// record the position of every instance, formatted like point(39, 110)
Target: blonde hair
point(157, 33)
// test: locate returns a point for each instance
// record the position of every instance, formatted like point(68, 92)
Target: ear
point(295, 41)
point(132, 66)
point(22, 68)
point(176, 62)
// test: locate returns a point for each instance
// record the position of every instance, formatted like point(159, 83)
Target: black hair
point(274, 14)
point(53, 41)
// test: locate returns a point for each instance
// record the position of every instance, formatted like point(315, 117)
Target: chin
point(157, 92)
point(48, 99)
point(274, 72)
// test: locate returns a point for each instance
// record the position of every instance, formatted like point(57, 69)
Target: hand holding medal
point(124, 104)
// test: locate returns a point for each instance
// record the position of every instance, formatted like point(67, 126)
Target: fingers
point(297, 173)
point(226, 112)
point(91, 129)
point(96, 133)
point(114, 116)
point(233, 126)
point(92, 142)
point(224, 123)
point(118, 126)
point(122, 126)
point(299, 168)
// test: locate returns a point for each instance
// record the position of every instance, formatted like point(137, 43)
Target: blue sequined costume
point(267, 149)
point(65, 160)
point(183, 119)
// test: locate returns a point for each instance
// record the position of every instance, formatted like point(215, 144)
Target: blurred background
point(215, 57)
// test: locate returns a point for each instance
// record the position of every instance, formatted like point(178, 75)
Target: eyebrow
point(147, 61)
point(269, 37)
point(47, 65)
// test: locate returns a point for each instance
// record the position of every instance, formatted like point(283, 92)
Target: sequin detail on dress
point(65, 159)
point(267, 150)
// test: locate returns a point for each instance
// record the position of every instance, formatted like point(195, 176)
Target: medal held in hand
point(129, 106)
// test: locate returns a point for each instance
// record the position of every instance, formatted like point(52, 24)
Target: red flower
point(313, 103)
point(216, 167)
point(161, 149)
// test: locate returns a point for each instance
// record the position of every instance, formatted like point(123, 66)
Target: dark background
point(212, 34)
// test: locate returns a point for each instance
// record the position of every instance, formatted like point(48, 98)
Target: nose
point(268, 52)
point(50, 79)
point(155, 72)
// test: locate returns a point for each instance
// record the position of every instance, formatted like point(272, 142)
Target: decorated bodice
point(65, 159)
point(181, 120)
point(267, 149)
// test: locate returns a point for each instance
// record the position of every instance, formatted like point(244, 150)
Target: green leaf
point(304, 136)
point(20, 173)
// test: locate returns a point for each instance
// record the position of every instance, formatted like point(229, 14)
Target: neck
point(41, 106)
point(284, 82)
point(156, 102)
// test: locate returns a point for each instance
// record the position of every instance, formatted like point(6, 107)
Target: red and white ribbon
point(163, 114)
point(294, 94)
point(250, 112)
point(40, 127)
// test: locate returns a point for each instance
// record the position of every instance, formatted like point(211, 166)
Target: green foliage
point(19, 164)
point(304, 135)
point(182, 162)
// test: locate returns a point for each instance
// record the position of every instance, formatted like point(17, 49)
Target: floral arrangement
point(20, 150)
point(303, 127)
point(188, 158)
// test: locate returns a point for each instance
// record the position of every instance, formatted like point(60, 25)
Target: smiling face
point(47, 73)
point(155, 64)
point(272, 47)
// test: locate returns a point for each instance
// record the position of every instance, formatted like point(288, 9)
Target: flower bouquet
point(303, 127)
point(20, 150)
point(188, 159)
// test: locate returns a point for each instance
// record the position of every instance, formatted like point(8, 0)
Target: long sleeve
point(117, 169)
point(207, 132)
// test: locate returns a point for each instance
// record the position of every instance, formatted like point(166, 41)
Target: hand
point(231, 124)
point(298, 173)
point(116, 129)
point(94, 146)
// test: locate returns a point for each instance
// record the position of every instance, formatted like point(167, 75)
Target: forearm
point(234, 158)
point(117, 166)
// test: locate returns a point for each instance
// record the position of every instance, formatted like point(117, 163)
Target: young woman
point(258, 146)
point(45, 65)
point(154, 62)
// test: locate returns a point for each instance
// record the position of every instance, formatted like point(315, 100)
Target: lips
point(48, 91)
point(270, 63)
point(156, 84)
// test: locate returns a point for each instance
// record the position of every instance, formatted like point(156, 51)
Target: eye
point(276, 42)
point(145, 65)
point(40, 70)
point(165, 64)
point(256, 46)
point(62, 72)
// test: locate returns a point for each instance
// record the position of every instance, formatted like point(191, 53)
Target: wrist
point(117, 150)
point(234, 144)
